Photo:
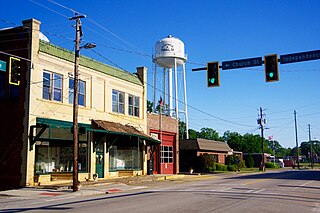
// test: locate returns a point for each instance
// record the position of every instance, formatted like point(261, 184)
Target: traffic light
point(213, 74)
point(14, 71)
point(271, 68)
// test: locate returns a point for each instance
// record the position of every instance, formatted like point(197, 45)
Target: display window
point(52, 157)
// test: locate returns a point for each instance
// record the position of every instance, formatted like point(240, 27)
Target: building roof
point(68, 55)
point(200, 144)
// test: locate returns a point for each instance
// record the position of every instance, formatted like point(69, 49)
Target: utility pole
point(261, 121)
point(311, 152)
point(296, 130)
point(75, 102)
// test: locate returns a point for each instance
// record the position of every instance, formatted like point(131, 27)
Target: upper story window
point(117, 101)
point(52, 86)
point(81, 92)
point(134, 103)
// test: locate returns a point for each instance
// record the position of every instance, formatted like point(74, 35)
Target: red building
point(163, 159)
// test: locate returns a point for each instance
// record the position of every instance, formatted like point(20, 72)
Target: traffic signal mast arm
point(270, 65)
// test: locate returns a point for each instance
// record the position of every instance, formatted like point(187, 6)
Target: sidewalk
point(87, 188)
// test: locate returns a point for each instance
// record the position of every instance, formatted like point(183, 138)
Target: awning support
point(153, 149)
point(113, 142)
point(35, 138)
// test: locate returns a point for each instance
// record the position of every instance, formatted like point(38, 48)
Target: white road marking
point(261, 190)
point(302, 185)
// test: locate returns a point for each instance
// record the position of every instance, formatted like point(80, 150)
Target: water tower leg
point(185, 100)
point(154, 87)
point(170, 92)
point(164, 90)
point(176, 87)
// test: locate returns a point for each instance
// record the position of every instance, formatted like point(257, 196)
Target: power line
point(49, 9)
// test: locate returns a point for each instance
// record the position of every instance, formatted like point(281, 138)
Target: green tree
point(235, 141)
point(182, 130)
point(208, 133)
point(305, 148)
point(193, 134)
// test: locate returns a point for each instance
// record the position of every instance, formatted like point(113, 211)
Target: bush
point(272, 165)
point(224, 168)
point(231, 159)
point(250, 162)
point(219, 167)
point(241, 165)
point(231, 168)
point(205, 163)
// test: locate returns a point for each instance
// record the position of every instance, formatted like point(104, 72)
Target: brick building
point(191, 148)
point(164, 158)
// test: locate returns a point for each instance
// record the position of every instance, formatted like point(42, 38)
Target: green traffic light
point(271, 74)
point(212, 80)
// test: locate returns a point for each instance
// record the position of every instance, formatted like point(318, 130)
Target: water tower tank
point(169, 50)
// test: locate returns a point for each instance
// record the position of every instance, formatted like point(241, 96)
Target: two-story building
point(36, 143)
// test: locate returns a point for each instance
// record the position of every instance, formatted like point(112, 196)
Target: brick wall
point(169, 127)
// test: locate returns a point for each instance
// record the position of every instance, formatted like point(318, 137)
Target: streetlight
point(75, 99)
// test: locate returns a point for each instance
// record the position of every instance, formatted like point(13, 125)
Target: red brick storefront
point(164, 158)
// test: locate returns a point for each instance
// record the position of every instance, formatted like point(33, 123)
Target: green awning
point(51, 129)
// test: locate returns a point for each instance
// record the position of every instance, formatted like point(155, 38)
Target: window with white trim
point(166, 153)
point(52, 86)
point(117, 101)
point(81, 92)
point(134, 103)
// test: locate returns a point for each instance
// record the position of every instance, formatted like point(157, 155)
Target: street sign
point(298, 57)
point(3, 66)
point(249, 62)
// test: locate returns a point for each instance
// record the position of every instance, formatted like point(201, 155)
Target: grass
point(307, 165)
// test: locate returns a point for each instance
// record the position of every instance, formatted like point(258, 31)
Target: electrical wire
point(49, 9)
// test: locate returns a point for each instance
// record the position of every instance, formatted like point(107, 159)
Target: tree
point(235, 141)
point(193, 134)
point(210, 134)
point(305, 148)
point(274, 145)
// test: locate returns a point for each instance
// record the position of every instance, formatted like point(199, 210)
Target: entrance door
point(100, 160)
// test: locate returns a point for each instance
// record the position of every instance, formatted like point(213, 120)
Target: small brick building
point(191, 148)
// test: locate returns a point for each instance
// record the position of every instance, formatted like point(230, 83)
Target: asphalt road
point(287, 191)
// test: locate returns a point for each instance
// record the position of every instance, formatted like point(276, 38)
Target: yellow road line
point(257, 181)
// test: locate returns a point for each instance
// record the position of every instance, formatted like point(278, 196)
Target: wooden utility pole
point(310, 141)
point(75, 102)
point(296, 130)
point(261, 122)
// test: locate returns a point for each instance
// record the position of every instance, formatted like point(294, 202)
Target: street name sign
point(3, 66)
point(298, 57)
point(249, 62)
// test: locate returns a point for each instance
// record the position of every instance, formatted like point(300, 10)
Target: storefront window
point(125, 158)
point(58, 157)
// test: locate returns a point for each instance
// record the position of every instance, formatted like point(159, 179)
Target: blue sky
point(126, 32)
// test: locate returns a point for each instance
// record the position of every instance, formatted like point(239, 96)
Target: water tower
point(169, 55)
